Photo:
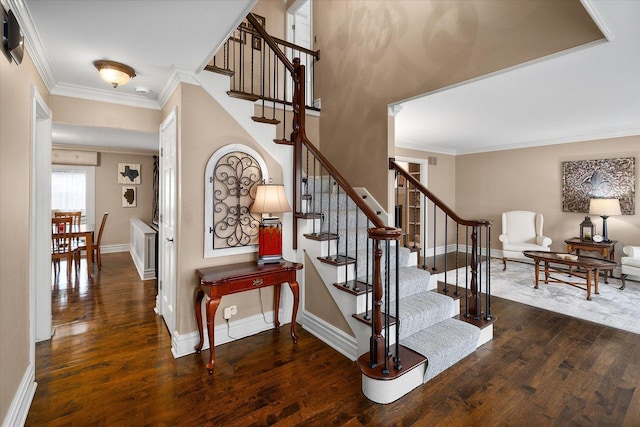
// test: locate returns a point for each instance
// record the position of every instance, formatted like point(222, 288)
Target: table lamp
point(605, 208)
point(270, 199)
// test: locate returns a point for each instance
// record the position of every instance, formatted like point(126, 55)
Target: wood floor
point(109, 364)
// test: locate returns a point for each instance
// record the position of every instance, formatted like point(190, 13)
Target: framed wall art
point(583, 180)
point(129, 197)
point(129, 173)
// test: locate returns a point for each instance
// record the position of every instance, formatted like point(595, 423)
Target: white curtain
point(68, 190)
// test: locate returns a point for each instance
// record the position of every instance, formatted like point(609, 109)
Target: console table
point(606, 249)
point(216, 282)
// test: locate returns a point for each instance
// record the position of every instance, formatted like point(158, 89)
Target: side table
point(606, 249)
point(216, 282)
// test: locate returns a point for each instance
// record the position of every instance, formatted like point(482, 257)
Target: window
point(72, 189)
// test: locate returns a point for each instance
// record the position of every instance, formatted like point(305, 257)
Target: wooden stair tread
point(480, 323)
point(337, 260)
point(321, 237)
point(265, 120)
point(409, 360)
point(451, 289)
point(243, 95)
point(362, 317)
point(309, 215)
point(362, 287)
point(283, 141)
point(215, 69)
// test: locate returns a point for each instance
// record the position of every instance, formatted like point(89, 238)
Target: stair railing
point(425, 224)
point(260, 75)
point(346, 208)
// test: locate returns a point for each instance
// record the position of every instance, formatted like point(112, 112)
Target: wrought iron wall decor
point(235, 179)
point(607, 178)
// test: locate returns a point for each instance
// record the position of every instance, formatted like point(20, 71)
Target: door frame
point(40, 222)
point(167, 287)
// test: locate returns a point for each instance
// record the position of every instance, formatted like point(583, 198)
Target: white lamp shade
point(604, 207)
point(114, 73)
point(270, 198)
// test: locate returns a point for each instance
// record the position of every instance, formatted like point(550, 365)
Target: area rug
point(611, 307)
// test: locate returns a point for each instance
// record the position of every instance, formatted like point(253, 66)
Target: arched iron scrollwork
point(235, 180)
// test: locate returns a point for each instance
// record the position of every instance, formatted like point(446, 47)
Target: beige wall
point(531, 179)
point(203, 127)
point(381, 51)
point(109, 196)
point(15, 168)
point(83, 112)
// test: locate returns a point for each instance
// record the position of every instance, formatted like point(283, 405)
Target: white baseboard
point(335, 338)
point(183, 345)
point(19, 409)
point(110, 249)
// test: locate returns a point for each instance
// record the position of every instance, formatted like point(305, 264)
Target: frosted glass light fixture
point(114, 73)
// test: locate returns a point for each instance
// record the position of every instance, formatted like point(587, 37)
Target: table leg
point(295, 290)
point(537, 273)
point(89, 241)
point(597, 279)
point(212, 306)
point(588, 276)
point(276, 306)
point(546, 272)
point(198, 307)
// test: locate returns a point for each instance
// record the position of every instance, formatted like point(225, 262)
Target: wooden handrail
point(271, 42)
point(347, 188)
point(439, 203)
point(314, 53)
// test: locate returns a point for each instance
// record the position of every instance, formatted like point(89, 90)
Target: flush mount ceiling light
point(114, 73)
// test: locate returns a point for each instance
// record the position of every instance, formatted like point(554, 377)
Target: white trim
point(21, 402)
point(174, 78)
point(209, 251)
point(597, 19)
point(82, 92)
point(40, 223)
point(110, 249)
point(183, 344)
point(335, 338)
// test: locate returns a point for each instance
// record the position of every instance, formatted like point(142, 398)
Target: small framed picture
point(129, 197)
point(129, 173)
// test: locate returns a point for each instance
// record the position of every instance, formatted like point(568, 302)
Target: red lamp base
point(270, 242)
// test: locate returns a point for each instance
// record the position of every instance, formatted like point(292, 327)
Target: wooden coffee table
point(591, 266)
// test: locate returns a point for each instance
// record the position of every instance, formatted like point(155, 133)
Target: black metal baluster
point(434, 268)
point(369, 289)
point(398, 365)
point(488, 315)
point(346, 239)
point(415, 218)
point(457, 292)
point(425, 228)
point(387, 314)
point(356, 288)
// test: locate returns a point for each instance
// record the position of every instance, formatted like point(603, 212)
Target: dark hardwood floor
point(109, 364)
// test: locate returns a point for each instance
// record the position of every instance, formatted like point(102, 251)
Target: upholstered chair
point(522, 231)
point(630, 263)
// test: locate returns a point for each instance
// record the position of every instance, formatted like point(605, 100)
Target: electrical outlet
point(230, 311)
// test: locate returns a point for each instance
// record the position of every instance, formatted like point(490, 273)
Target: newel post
point(377, 345)
point(473, 297)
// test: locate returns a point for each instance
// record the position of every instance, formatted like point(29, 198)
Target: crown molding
point(174, 78)
point(83, 92)
point(32, 41)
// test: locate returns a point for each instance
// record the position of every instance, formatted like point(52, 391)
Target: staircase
point(408, 328)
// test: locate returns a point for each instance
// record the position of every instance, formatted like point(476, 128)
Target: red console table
point(216, 282)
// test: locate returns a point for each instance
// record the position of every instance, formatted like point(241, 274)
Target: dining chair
point(76, 218)
point(62, 245)
point(96, 243)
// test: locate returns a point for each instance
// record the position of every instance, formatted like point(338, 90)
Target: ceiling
point(587, 93)
point(162, 40)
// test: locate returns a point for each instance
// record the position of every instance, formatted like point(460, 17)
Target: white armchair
point(630, 264)
point(522, 231)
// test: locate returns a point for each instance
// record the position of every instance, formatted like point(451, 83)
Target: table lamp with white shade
point(270, 199)
point(605, 208)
